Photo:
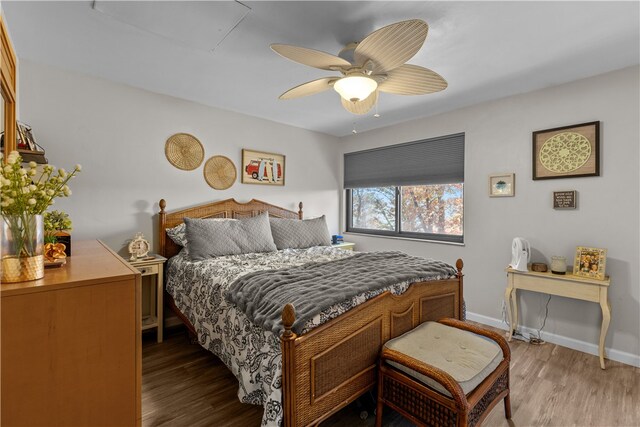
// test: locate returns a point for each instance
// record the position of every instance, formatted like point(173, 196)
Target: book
point(20, 140)
point(26, 137)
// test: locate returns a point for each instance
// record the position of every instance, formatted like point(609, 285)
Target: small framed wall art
point(590, 262)
point(502, 185)
point(564, 199)
point(567, 152)
point(262, 168)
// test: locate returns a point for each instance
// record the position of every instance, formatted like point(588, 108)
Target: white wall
point(117, 133)
point(498, 139)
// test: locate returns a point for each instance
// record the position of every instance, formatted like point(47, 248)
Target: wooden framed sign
point(567, 152)
point(564, 199)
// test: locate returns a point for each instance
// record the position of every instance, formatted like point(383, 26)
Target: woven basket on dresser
point(427, 407)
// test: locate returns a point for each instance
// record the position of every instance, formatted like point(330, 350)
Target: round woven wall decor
point(184, 151)
point(219, 172)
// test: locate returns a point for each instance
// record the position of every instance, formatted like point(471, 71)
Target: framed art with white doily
point(567, 152)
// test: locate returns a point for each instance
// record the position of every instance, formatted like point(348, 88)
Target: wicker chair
point(426, 407)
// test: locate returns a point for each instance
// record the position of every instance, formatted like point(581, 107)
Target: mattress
point(251, 353)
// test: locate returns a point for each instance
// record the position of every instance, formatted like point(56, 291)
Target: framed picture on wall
point(502, 185)
point(590, 262)
point(262, 168)
point(567, 152)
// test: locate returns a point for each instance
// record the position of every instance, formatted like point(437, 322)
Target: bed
point(316, 378)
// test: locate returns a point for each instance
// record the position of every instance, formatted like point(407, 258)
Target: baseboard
point(585, 347)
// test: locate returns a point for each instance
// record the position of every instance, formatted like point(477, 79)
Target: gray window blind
point(429, 161)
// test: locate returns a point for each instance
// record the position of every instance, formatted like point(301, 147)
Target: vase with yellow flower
point(25, 194)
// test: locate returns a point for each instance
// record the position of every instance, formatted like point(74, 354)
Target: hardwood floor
point(185, 385)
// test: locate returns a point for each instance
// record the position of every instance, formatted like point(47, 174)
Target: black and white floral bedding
point(251, 353)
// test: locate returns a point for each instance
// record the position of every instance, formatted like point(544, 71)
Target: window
point(408, 190)
point(374, 208)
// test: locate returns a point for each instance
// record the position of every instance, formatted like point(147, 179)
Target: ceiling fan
point(376, 64)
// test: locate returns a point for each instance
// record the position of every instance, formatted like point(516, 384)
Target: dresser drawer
point(148, 269)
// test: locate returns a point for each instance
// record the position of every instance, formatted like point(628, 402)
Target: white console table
point(568, 286)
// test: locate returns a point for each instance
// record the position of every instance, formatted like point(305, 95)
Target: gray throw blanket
point(314, 287)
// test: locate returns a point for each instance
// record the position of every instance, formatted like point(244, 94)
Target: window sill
point(413, 239)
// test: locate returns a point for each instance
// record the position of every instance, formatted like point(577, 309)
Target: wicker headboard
point(229, 208)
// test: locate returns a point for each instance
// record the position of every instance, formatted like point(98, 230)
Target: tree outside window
point(432, 212)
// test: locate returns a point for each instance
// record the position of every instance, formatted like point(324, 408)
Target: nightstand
point(347, 246)
point(152, 292)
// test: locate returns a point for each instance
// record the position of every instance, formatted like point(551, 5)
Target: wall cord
point(537, 340)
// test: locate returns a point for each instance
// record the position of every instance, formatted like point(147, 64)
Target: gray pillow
point(179, 233)
point(206, 239)
point(300, 234)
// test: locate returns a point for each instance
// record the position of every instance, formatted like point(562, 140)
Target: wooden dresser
point(70, 344)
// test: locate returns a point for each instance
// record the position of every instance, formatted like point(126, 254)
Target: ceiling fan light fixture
point(355, 88)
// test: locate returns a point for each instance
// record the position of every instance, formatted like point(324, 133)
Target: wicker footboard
point(330, 366)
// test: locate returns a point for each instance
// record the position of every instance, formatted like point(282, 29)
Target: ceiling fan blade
point(393, 45)
point(361, 107)
point(412, 80)
point(309, 88)
point(311, 57)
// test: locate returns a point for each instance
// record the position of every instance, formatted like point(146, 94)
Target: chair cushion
point(469, 358)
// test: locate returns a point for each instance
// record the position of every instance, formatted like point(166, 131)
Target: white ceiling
point(191, 50)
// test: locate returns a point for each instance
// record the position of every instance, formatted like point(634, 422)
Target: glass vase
point(22, 248)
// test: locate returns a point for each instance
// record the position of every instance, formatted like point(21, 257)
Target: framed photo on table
point(567, 152)
point(262, 168)
point(590, 262)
